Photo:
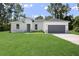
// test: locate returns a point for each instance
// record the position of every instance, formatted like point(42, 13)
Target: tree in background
point(39, 17)
point(48, 17)
point(58, 10)
point(76, 21)
point(78, 5)
point(2, 15)
point(76, 24)
point(9, 12)
point(22, 18)
point(71, 20)
point(18, 11)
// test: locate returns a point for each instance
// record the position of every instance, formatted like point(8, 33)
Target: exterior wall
point(28, 21)
point(39, 26)
point(66, 30)
point(22, 27)
point(45, 28)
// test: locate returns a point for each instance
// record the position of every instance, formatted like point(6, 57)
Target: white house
point(52, 26)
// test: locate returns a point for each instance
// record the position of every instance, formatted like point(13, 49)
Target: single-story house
point(51, 26)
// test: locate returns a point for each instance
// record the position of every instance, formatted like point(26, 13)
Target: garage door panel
point(56, 28)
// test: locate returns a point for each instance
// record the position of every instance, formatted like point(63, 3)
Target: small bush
point(76, 29)
point(5, 27)
point(38, 31)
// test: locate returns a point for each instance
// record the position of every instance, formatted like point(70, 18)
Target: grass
point(20, 44)
point(37, 32)
point(73, 32)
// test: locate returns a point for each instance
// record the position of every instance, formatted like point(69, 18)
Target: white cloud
point(28, 5)
point(31, 5)
point(45, 7)
point(74, 8)
point(35, 16)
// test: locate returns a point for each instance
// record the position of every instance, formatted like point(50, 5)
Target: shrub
point(5, 27)
point(38, 31)
point(76, 29)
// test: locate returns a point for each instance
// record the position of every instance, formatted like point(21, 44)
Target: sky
point(36, 9)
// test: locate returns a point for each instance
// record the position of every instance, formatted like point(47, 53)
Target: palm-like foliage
point(76, 24)
point(58, 9)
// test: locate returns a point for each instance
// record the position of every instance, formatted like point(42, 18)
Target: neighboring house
point(51, 26)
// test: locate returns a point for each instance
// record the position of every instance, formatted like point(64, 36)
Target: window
point(35, 26)
point(17, 26)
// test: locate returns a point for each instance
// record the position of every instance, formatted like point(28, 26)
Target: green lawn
point(14, 44)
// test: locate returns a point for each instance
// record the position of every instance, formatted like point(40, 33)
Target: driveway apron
point(69, 37)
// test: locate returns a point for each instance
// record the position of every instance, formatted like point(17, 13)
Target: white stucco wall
point(22, 27)
point(39, 26)
point(28, 21)
point(42, 25)
point(45, 25)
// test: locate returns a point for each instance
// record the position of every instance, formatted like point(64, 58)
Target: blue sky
point(36, 9)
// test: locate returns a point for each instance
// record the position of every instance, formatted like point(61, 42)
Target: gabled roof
point(41, 20)
point(53, 20)
point(17, 22)
point(23, 19)
point(29, 18)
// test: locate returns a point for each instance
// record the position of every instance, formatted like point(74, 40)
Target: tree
point(76, 23)
point(48, 17)
point(78, 5)
point(2, 15)
point(9, 12)
point(22, 18)
point(18, 11)
point(39, 17)
point(71, 19)
point(67, 9)
point(58, 9)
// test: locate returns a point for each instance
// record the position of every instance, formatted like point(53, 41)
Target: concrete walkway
point(69, 37)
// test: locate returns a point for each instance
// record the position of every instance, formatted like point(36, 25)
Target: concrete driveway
point(69, 37)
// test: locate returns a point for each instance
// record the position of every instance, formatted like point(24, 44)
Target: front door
point(28, 27)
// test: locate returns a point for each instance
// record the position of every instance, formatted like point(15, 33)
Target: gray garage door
point(56, 28)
